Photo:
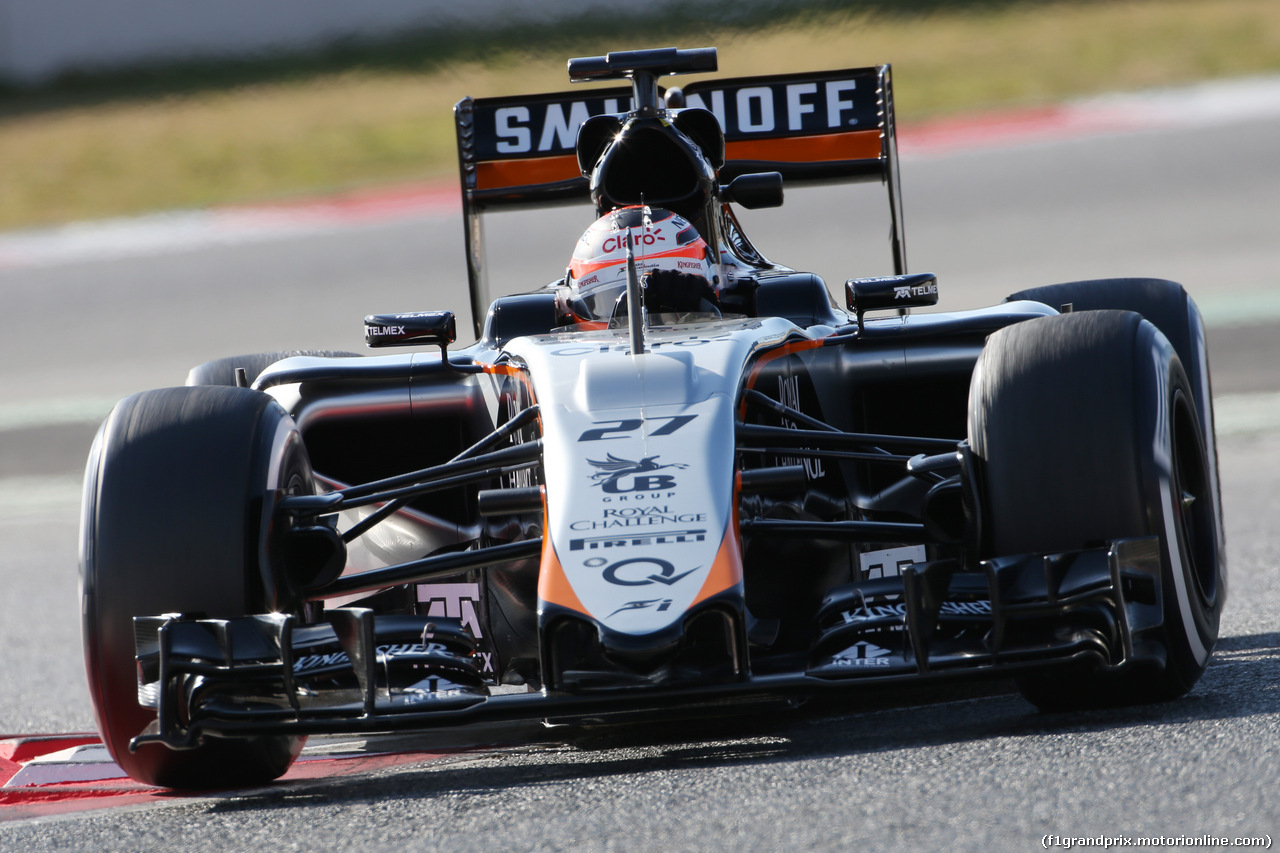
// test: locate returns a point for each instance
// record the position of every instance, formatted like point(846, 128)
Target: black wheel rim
point(1193, 502)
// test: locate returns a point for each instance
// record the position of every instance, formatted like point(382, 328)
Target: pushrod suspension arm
point(846, 531)
point(512, 458)
point(823, 440)
point(388, 509)
point(893, 458)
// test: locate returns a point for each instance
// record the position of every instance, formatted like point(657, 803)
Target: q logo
point(642, 571)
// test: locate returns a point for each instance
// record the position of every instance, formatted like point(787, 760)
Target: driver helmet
point(664, 243)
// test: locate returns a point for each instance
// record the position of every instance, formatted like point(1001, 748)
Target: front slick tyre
point(176, 507)
point(1087, 430)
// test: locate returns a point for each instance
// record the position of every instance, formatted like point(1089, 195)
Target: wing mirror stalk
point(418, 328)
point(889, 292)
point(755, 190)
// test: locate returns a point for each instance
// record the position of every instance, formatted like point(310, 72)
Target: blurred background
point(128, 106)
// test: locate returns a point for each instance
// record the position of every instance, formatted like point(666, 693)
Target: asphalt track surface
point(961, 771)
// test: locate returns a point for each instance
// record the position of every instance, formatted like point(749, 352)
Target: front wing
point(363, 672)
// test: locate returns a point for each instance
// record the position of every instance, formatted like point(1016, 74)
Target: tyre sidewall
point(173, 519)
point(1191, 618)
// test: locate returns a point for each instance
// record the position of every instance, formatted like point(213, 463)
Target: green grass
point(362, 115)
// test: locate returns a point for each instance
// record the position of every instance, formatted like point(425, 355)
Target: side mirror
point(754, 191)
point(890, 291)
point(420, 328)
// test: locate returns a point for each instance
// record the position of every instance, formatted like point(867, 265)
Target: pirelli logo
point(668, 537)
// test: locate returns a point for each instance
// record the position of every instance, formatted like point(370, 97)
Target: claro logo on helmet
point(661, 240)
point(647, 237)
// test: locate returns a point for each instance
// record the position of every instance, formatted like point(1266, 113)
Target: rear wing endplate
point(825, 127)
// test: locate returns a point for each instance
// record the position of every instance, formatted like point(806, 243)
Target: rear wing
point(825, 127)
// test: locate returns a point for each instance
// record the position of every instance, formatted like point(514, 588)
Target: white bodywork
point(639, 460)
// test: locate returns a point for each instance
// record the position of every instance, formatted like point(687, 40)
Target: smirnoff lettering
point(308, 662)
point(804, 107)
point(880, 611)
point(798, 106)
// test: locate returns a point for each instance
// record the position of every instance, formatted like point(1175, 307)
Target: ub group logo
point(615, 472)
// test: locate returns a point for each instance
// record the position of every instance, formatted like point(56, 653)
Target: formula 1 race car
point(680, 479)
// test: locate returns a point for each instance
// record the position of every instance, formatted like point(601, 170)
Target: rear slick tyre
point(1087, 431)
point(176, 508)
point(222, 371)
